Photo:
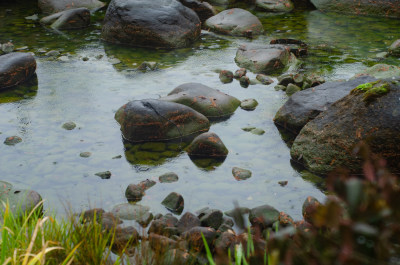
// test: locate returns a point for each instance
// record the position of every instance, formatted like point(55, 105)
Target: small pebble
point(117, 157)
point(85, 154)
point(104, 175)
point(283, 183)
point(257, 131)
point(69, 125)
point(12, 140)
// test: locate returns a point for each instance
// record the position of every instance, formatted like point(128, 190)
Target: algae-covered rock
point(156, 23)
point(16, 68)
point(12, 140)
point(68, 19)
point(241, 173)
point(208, 101)
point(226, 76)
point(207, 145)
point(249, 104)
point(168, 177)
point(236, 22)
point(328, 141)
point(159, 120)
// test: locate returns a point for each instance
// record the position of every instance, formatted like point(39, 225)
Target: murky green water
point(89, 93)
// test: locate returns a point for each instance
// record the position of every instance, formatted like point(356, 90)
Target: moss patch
point(372, 90)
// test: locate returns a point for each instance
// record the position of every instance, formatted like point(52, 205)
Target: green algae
point(372, 90)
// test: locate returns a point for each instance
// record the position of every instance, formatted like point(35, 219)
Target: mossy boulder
point(207, 145)
point(16, 68)
point(208, 101)
point(54, 6)
point(68, 19)
point(235, 22)
point(156, 23)
point(369, 114)
point(159, 120)
point(266, 59)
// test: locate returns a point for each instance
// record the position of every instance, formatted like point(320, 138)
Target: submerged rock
point(207, 145)
point(265, 80)
point(69, 125)
point(16, 68)
point(371, 113)
point(156, 23)
point(69, 19)
point(208, 101)
point(236, 22)
point(159, 120)
point(168, 177)
point(249, 104)
point(275, 5)
point(267, 59)
point(226, 76)
point(104, 174)
point(54, 6)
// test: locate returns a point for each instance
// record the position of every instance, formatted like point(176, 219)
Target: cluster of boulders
point(227, 76)
point(294, 82)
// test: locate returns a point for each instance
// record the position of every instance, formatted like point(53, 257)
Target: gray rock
point(68, 19)
point(263, 216)
point(16, 68)
point(54, 6)
point(128, 211)
point(236, 22)
point(275, 5)
point(104, 174)
point(69, 125)
point(257, 131)
point(114, 61)
point(212, 218)
point(226, 76)
point(266, 59)
point(53, 53)
point(85, 154)
point(187, 222)
point(240, 173)
point(7, 47)
point(174, 202)
point(249, 104)
point(305, 105)
point(208, 101)
point(265, 80)
point(168, 177)
point(156, 23)
point(12, 140)
point(203, 9)
point(194, 237)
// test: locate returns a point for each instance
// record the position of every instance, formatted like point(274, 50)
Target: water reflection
point(207, 163)
point(26, 90)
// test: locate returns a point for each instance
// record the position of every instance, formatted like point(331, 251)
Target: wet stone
point(53, 53)
point(12, 140)
point(134, 192)
point(244, 81)
point(213, 218)
point(240, 173)
point(187, 222)
point(249, 104)
point(85, 154)
point(148, 66)
point(279, 87)
point(125, 236)
point(69, 125)
point(248, 129)
point(265, 80)
point(285, 79)
point(240, 73)
point(117, 157)
point(309, 208)
point(195, 240)
point(7, 47)
point(394, 49)
point(174, 202)
point(283, 183)
point(226, 76)
point(128, 211)
point(257, 131)
point(263, 216)
point(16, 68)
point(168, 177)
point(291, 89)
point(104, 174)
point(207, 145)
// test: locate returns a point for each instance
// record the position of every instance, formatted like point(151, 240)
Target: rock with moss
point(263, 216)
point(168, 177)
point(328, 141)
point(291, 89)
point(207, 145)
point(226, 76)
point(174, 202)
point(241, 173)
point(54, 6)
point(159, 120)
point(381, 71)
point(394, 49)
point(16, 68)
point(249, 104)
point(208, 101)
point(236, 22)
point(275, 5)
point(266, 59)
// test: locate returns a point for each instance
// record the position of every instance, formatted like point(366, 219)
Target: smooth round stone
point(249, 104)
point(85, 154)
point(240, 73)
point(168, 177)
point(128, 211)
point(69, 125)
point(207, 145)
point(12, 140)
point(241, 173)
point(244, 81)
point(265, 80)
point(257, 131)
point(226, 76)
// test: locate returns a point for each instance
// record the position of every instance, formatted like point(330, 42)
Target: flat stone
point(257, 131)
point(128, 211)
point(265, 80)
point(85, 154)
point(248, 129)
point(249, 104)
point(240, 173)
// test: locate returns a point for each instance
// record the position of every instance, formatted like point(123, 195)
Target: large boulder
point(236, 22)
point(275, 5)
point(385, 8)
point(157, 120)
point(15, 68)
point(208, 101)
point(371, 113)
point(203, 9)
point(68, 19)
point(156, 23)
point(54, 6)
point(305, 105)
point(260, 58)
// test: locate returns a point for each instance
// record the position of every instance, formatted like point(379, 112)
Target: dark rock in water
point(135, 192)
point(187, 222)
point(226, 76)
point(265, 80)
point(240, 73)
point(203, 9)
point(207, 145)
point(236, 22)
point(283, 183)
point(85, 154)
point(195, 240)
point(16, 68)
point(297, 47)
point(12, 140)
point(244, 81)
point(249, 104)
point(385, 8)
point(20, 201)
point(240, 173)
point(208, 101)
point(159, 120)
point(305, 105)
point(212, 218)
point(104, 174)
point(168, 177)
point(54, 6)
point(266, 59)
point(123, 237)
point(174, 202)
point(394, 49)
point(69, 125)
point(156, 23)
point(309, 208)
point(263, 216)
point(381, 71)
point(225, 241)
point(69, 19)
point(275, 5)
point(257, 131)
point(371, 113)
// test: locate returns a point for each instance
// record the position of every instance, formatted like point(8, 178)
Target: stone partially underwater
point(16, 68)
